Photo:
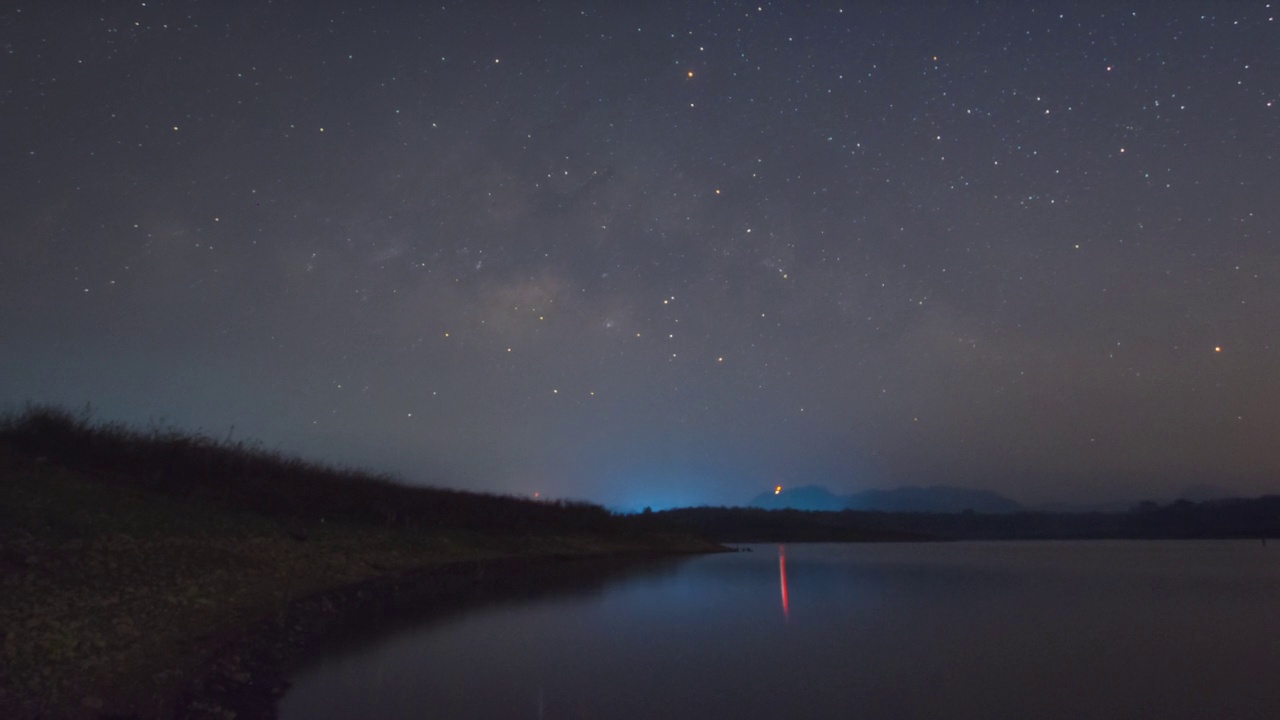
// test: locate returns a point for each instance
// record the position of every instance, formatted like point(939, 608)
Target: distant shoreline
point(1241, 519)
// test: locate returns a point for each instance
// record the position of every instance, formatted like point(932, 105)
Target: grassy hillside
point(129, 558)
point(243, 476)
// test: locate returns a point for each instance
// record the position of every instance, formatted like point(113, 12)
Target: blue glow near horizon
point(660, 491)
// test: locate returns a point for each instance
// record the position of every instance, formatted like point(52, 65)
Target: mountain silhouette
point(934, 499)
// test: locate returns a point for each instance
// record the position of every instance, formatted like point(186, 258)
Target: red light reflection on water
point(782, 574)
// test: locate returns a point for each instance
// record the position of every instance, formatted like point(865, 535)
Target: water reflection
point(487, 590)
point(782, 575)
point(1045, 630)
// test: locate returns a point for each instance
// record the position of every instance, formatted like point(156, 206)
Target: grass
point(128, 558)
point(243, 476)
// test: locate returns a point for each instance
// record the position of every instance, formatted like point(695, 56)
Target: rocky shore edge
point(247, 676)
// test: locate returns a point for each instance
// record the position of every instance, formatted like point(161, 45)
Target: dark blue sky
point(666, 253)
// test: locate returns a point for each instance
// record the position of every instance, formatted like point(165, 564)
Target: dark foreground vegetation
point(245, 477)
point(141, 572)
point(1257, 518)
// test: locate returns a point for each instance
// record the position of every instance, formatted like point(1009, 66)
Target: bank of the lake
point(162, 575)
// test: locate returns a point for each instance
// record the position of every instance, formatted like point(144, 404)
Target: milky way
point(659, 253)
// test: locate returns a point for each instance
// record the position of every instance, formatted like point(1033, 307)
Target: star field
point(663, 254)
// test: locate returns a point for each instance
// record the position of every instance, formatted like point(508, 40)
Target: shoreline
point(248, 675)
point(121, 600)
point(197, 658)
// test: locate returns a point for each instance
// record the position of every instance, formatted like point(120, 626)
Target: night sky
point(658, 253)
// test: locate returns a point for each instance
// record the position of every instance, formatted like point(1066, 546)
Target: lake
point(1088, 629)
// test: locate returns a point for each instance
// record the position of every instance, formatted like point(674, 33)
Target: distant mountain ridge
point(933, 499)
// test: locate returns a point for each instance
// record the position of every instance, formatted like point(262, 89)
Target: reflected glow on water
point(782, 575)
point(1043, 630)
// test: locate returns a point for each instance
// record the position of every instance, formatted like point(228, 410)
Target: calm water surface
point(1031, 630)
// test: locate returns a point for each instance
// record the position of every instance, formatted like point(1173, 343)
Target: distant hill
point(807, 497)
point(1108, 506)
point(1204, 493)
point(1252, 520)
point(934, 499)
point(1201, 493)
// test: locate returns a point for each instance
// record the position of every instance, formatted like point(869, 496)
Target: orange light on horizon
point(777, 490)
